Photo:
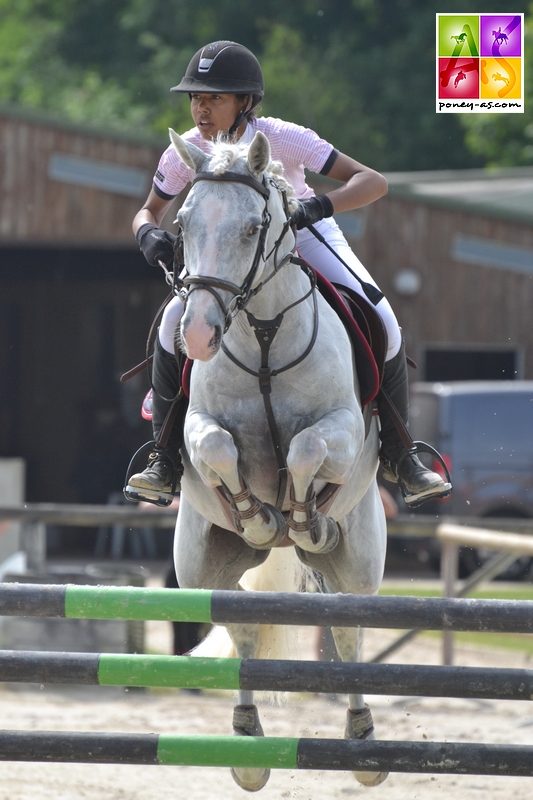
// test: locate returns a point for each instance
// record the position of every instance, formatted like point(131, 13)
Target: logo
point(480, 63)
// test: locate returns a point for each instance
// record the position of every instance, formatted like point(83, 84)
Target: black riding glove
point(156, 244)
point(312, 210)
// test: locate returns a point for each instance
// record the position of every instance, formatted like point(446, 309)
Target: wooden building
point(453, 252)
point(76, 301)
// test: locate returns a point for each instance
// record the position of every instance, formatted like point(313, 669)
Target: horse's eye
point(252, 229)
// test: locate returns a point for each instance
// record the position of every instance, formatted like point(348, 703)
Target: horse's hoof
point(279, 538)
point(325, 539)
point(250, 779)
point(360, 725)
point(246, 723)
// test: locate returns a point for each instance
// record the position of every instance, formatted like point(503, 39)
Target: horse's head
point(235, 235)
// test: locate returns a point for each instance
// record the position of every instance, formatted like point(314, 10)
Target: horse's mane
point(225, 155)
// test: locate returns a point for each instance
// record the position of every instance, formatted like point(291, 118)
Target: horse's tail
point(282, 571)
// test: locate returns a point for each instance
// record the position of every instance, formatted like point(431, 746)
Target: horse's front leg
point(326, 450)
point(215, 457)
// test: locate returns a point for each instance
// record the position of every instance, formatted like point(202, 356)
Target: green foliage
point(306, 89)
point(360, 72)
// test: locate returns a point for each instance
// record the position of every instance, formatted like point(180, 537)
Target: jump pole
point(285, 608)
point(269, 752)
point(163, 671)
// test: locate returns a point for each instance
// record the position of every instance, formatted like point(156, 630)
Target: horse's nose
point(200, 339)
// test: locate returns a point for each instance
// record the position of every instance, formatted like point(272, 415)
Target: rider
point(225, 84)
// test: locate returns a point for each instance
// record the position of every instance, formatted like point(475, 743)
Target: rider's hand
point(312, 210)
point(156, 244)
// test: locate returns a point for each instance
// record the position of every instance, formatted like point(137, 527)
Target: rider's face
point(214, 113)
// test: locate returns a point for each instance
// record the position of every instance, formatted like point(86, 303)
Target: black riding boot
point(159, 482)
point(398, 456)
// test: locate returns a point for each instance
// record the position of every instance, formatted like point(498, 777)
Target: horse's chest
point(238, 405)
point(249, 418)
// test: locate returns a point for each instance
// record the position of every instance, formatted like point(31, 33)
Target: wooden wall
point(459, 303)
point(38, 208)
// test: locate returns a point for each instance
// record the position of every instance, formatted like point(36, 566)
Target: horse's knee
point(214, 455)
point(306, 454)
point(215, 447)
point(313, 453)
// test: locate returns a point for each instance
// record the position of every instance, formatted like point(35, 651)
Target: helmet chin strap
point(238, 119)
point(241, 116)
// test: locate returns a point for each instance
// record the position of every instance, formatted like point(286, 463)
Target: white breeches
point(319, 257)
point(169, 322)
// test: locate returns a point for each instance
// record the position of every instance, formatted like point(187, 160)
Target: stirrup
point(147, 496)
point(135, 495)
point(436, 493)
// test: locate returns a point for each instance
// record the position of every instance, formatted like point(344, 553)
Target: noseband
point(241, 294)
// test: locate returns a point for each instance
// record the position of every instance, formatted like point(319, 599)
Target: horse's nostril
point(214, 342)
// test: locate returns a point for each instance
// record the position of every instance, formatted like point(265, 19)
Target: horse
point(279, 458)
point(500, 37)
point(497, 76)
point(458, 78)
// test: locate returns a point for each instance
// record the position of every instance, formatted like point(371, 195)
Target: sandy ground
point(143, 711)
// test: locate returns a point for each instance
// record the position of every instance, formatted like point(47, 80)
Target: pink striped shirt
point(296, 147)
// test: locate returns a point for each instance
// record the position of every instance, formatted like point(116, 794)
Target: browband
point(234, 177)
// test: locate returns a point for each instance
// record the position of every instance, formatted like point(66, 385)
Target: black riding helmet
point(225, 68)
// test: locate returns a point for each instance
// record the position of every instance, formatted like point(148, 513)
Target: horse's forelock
point(226, 155)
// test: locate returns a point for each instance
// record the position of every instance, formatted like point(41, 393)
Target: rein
point(265, 330)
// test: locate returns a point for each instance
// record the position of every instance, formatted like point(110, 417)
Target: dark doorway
point(449, 364)
point(71, 322)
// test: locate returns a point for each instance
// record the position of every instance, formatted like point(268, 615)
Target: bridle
point(241, 294)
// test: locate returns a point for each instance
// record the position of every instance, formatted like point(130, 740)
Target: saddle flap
point(370, 324)
point(366, 331)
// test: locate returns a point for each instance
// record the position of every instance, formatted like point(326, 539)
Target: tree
point(361, 72)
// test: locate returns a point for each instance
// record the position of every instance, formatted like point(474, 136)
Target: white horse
point(276, 451)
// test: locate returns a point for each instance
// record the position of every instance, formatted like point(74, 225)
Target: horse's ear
point(188, 152)
point(259, 153)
